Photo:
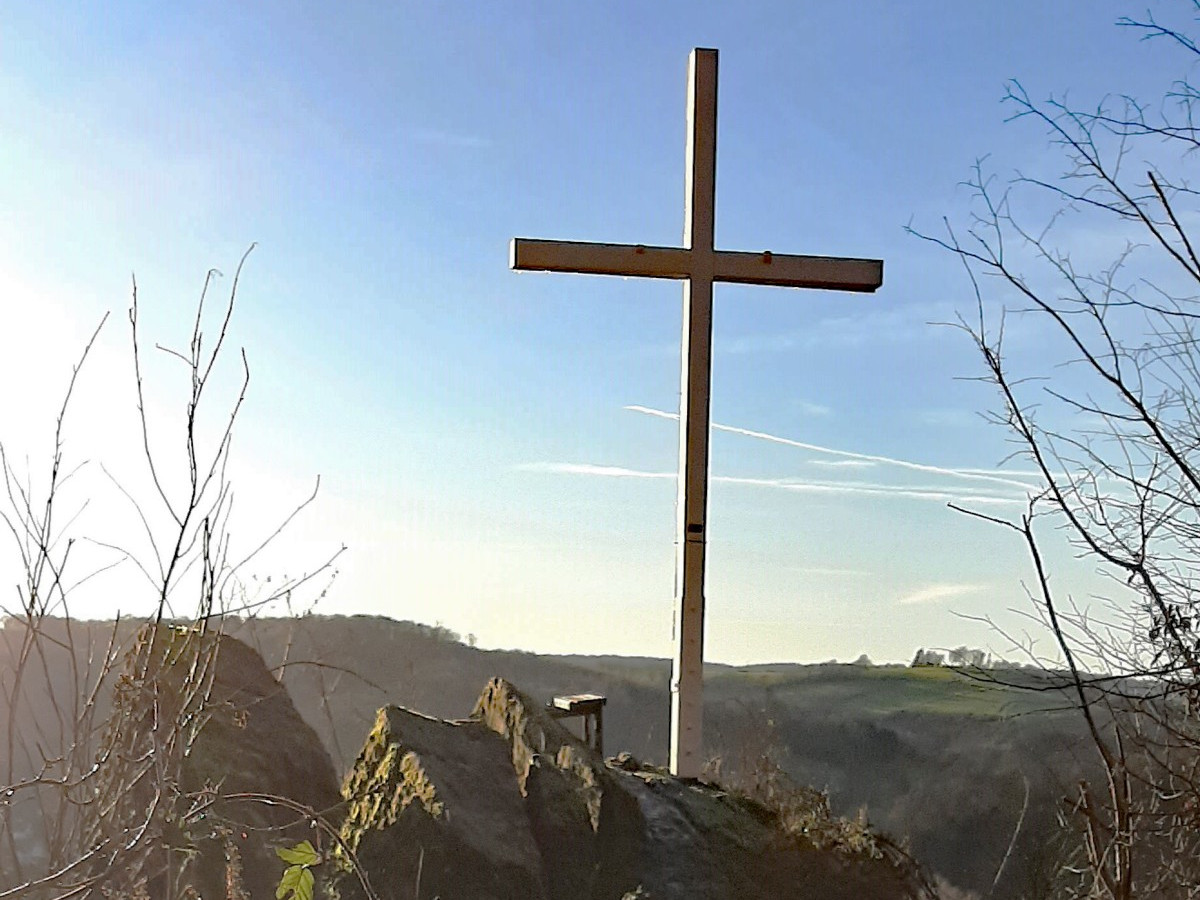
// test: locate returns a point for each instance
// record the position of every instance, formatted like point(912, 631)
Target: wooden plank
point(787, 270)
point(599, 259)
point(638, 260)
point(579, 704)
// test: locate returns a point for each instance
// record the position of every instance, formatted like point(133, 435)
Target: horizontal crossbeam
point(783, 270)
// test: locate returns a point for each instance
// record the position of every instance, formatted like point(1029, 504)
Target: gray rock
point(206, 768)
point(509, 804)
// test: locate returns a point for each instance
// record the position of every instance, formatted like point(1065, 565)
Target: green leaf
point(297, 881)
point(304, 890)
point(287, 884)
point(302, 854)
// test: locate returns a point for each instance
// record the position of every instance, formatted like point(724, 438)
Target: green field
point(860, 689)
point(881, 690)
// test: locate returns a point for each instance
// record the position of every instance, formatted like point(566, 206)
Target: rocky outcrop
point(508, 804)
point(206, 768)
point(439, 807)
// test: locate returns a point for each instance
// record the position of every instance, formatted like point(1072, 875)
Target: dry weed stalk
point(96, 809)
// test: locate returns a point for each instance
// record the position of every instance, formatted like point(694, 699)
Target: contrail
point(798, 486)
point(934, 592)
point(591, 469)
point(878, 490)
point(869, 457)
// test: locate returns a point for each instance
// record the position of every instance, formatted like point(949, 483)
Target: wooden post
point(691, 506)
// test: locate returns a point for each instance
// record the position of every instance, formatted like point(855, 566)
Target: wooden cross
point(698, 264)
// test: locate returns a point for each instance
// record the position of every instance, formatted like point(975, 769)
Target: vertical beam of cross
point(691, 506)
point(699, 265)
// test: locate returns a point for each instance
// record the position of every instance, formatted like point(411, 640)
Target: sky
point(495, 449)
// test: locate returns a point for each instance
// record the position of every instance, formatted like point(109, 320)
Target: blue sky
point(492, 445)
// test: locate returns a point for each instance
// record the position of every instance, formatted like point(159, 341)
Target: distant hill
point(932, 756)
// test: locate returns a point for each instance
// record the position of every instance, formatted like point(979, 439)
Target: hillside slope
point(945, 763)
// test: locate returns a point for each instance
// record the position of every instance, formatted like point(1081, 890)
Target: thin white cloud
point(847, 454)
point(652, 412)
point(589, 469)
point(869, 489)
point(934, 592)
point(965, 495)
point(812, 409)
point(1008, 473)
point(987, 494)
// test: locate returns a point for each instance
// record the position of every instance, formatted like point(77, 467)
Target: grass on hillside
point(882, 690)
point(860, 689)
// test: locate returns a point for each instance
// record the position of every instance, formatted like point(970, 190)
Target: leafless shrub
point(89, 807)
point(753, 768)
point(1114, 437)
